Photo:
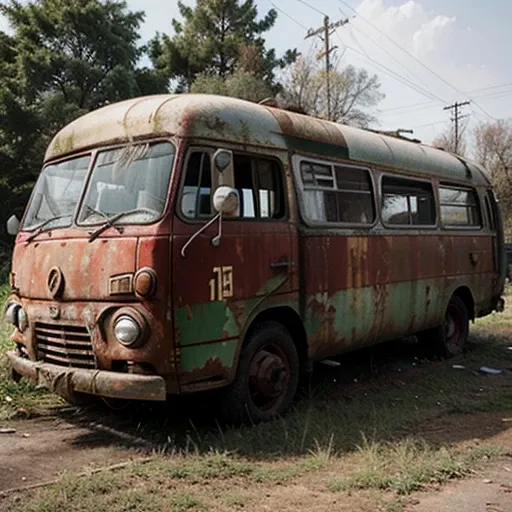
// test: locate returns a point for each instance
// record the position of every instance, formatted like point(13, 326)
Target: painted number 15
point(221, 284)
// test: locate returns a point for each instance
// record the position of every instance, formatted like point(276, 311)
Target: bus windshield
point(133, 181)
point(56, 194)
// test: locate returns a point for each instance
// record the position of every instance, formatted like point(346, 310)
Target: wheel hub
point(268, 374)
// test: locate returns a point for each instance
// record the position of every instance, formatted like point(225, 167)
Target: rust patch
point(309, 128)
point(212, 368)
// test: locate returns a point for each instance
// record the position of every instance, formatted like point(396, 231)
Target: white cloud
point(410, 24)
point(426, 37)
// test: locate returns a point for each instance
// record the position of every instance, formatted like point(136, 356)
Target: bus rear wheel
point(449, 339)
point(267, 376)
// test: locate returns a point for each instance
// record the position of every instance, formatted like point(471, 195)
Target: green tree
point(19, 136)
point(75, 55)
point(62, 59)
point(241, 84)
point(213, 38)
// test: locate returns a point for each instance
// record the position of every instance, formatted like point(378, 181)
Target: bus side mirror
point(13, 225)
point(223, 168)
point(226, 201)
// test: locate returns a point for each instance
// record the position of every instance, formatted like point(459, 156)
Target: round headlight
point(127, 331)
point(22, 319)
point(11, 313)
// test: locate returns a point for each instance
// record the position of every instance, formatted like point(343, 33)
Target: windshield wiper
point(40, 229)
point(112, 220)
point(104, 215)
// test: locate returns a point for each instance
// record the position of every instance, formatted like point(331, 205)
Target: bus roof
point(218, 118)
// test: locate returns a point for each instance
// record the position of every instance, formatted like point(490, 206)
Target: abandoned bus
point(182, 243)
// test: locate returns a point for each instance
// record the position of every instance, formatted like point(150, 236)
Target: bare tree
point(493, 149)
point(354, 92)
point(446, 140)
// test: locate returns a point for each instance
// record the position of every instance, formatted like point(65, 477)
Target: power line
point(496, 94)
point(415, 58)
point(352, 35)
point(413, 110)
point(491, 87)
point(475, 114)
point(409, 106)
point(291, 17)
point(311, 7)
point(398, 77)
point(388, 54)
point(430, 124)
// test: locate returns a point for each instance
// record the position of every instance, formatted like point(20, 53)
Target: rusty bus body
point(342, 238)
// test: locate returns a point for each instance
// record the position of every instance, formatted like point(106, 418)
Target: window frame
point(297, 161)
point(183, 177)
point(94, 160)
point(413, 227)
point(489, 212)
point(73, 222)
point(462, 227)
point(94, 152)
point(236, 151)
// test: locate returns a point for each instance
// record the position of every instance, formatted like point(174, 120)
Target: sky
point(428, 54)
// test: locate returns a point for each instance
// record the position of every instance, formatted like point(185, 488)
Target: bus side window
point(337, 194)
point(407, 202)
point(196, 198)
point(259, 184)
point(459, 206)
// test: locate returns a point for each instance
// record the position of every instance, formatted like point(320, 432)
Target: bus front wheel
point(267, 376)
point(449, 339)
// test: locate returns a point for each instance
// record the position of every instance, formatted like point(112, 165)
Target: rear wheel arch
point(464, 293)
point(449, 339)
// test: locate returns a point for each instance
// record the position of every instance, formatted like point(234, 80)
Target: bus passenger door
point(223, 274)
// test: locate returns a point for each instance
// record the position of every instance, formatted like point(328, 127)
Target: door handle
point(282, 265)
point(474, 256)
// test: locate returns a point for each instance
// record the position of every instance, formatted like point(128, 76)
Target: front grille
point(64, 345)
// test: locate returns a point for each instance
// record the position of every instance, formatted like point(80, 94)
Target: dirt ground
point(489, 489)
point(70, 440)
point(44, 448)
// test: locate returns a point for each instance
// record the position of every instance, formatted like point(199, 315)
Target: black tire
point(253, 397)
point(449, 339)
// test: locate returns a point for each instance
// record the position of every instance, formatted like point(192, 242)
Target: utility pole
point(327, 30)
point(456, 119)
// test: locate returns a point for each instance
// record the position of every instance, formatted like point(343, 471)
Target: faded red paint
point(273, 263)
point(336, 263)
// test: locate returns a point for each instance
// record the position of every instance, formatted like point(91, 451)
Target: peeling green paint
point(359, 316)
point(205, 323)
point(202, 323)
point(194, 358)
point(209, 334)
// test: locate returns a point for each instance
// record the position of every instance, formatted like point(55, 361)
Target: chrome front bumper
point(64, 380)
